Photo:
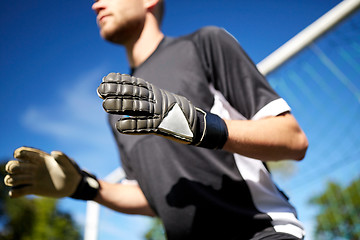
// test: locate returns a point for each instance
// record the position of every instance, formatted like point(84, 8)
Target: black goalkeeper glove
point(151, 110)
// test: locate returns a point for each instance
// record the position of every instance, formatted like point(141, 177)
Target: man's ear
point(149, 4)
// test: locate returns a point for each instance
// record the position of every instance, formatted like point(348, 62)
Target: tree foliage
point(284, 169)
point(33, 218)
point(156, 231)
point(339, 215)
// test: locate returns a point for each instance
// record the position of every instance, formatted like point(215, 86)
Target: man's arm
point(125, 198)
point(269, 139)
point(156, 111)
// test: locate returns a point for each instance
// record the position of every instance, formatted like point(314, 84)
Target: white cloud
point(76, 116)
point(75, 123)
point(78, 122)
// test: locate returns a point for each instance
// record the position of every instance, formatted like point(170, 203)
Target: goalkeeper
point(195, 124)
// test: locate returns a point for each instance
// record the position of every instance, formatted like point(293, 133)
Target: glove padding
point(55, 175)
point(151, 110)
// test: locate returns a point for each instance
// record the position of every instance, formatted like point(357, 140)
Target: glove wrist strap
point(214, 132)
point(87, 188)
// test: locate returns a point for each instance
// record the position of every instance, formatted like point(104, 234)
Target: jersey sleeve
point(231, 72)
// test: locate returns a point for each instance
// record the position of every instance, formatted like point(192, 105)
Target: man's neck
point(150, 37)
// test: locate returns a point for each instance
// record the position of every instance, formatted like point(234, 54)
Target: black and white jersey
point(200, 193)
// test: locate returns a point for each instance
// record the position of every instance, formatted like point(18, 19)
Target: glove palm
point(37, 172)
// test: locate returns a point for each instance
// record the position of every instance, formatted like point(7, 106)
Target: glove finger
point(21, 191)
point(30, 154)
point(18, 180)
point(124, 90)
point(124, 79)
point(64, 161)
point(123, 84)
point(15, 167)
point(128, 107)
point(8, 180)
point(133, 125)
point(12, 166)
point(116, 77)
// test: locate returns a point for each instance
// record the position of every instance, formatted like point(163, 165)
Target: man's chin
point(109, 36)
point(121, 35)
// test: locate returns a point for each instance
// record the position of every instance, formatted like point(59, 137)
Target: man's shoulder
point(209, 31)
point(208, 36)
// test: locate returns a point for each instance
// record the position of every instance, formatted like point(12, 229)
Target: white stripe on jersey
point(265, 195)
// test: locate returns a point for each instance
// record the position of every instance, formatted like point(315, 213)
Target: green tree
point(339, 215)
point(284, 169)
point(156, 231)
point(33, 218)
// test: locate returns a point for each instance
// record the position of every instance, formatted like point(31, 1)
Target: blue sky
point(52, 59)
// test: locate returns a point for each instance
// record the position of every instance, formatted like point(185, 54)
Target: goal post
point(93, 208)
point(304, 38)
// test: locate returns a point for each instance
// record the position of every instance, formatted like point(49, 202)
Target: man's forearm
point(268, 139)
point(125, 198)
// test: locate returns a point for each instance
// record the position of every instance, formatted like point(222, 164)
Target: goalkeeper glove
point(151, 110)
point(50, 175)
